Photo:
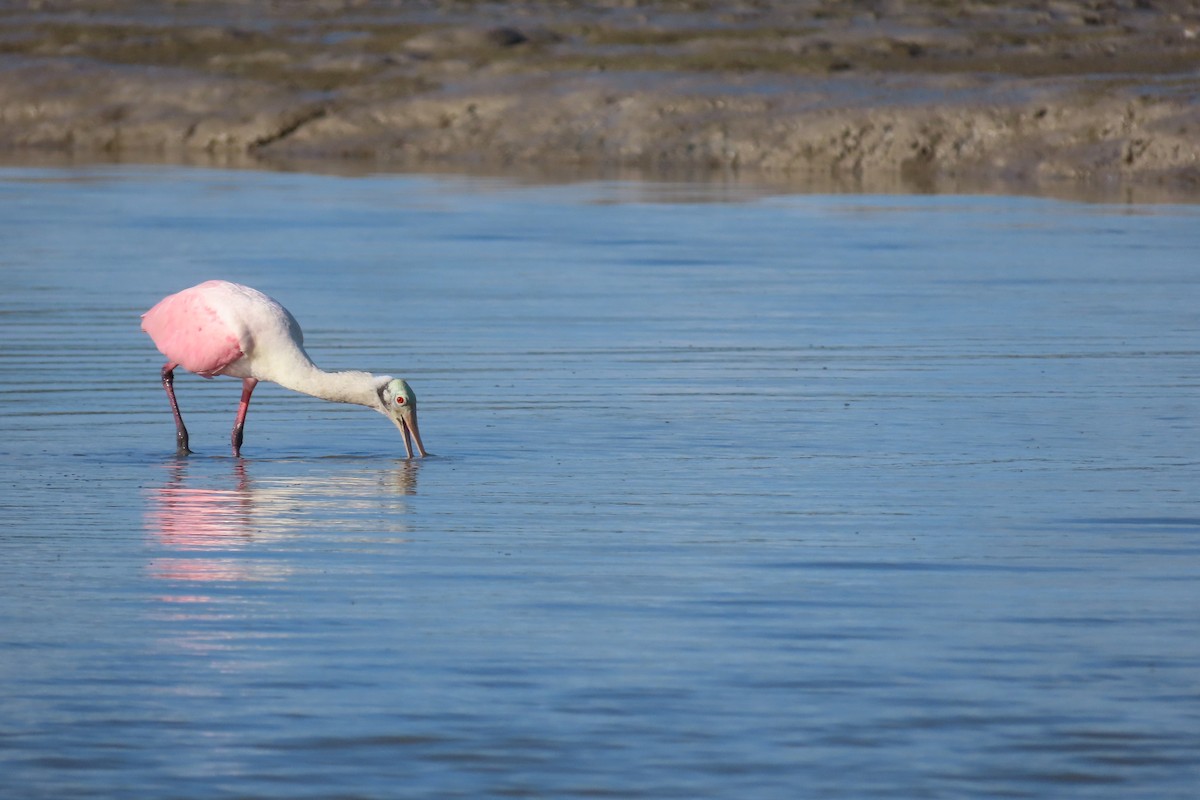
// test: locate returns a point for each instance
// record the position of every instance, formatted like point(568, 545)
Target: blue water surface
point(732, 495)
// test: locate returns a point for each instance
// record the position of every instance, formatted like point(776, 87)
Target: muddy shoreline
point(1079, 97)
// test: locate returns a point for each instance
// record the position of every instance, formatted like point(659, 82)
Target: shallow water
point(733, 496)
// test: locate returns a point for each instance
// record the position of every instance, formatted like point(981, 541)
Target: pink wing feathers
point(188, 330)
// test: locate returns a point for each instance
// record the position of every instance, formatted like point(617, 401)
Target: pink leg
point(181, 434)
point(239, 425)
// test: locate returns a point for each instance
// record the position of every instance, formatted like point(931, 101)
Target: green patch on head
point(398, 395)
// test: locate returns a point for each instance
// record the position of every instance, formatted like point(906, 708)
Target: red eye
point(399, 401)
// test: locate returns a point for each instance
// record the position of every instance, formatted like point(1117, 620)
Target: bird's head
point(400, 405)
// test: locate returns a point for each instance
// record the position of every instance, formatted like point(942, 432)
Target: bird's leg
point(239, 424)
point(181, 434)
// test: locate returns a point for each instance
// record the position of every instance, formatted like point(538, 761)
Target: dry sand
point(1085, 97)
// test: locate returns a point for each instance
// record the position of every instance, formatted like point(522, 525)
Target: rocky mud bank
point(889, 94)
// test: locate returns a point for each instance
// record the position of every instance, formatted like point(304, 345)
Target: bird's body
point(222, 328)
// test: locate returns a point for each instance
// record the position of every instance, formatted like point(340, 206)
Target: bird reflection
point(231, 527)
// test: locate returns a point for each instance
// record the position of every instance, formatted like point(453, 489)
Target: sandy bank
point(905, 94)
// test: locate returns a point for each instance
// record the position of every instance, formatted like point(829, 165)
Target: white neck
point(360, 388)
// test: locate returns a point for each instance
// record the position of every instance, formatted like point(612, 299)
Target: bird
point(223, 328)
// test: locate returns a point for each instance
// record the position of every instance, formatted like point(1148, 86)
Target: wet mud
point(920, 95)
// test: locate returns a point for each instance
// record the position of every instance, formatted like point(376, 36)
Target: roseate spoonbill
point(223, 328)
